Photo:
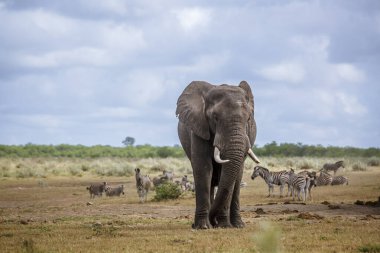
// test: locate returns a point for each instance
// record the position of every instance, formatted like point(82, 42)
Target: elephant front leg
point(202, 199)
point(220, 214)
point(202, 171)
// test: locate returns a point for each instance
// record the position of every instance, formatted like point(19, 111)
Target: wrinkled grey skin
point(223, 117)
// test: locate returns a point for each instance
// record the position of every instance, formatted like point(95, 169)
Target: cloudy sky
point(93, 72)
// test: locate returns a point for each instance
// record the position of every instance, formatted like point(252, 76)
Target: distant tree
point(129, 141)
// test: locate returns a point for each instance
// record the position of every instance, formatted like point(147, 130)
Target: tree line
point(146, 151)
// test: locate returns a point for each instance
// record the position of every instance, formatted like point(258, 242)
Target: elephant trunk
point(235, 153)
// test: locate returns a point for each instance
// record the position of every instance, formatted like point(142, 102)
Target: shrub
point(167, 190)
point(358, 167)
point(25, 173)
point(372, 248)
point(289, 163)
point(120, 172)
point(305, 166)
point(268, 239)
point(74, 171)
point(373, 162)
point(85, 167)
point(4, 172)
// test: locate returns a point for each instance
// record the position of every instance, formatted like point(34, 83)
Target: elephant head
point(217, 129)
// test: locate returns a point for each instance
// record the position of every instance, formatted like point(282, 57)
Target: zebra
point(97, 189)
point(333, 166)
point(168, 174)
point(338, 180)
point(185, 184)
point(272, 178)
point(165, 177)
point(313, 180)
point(324, 178)
point(115, 191)
point(159, 180)
point(300, 184)
point(143, 184)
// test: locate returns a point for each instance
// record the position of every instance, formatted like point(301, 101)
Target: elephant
point(217, 129)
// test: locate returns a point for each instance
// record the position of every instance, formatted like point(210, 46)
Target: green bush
point(372, 248)
point(373, 162)
point(166, 191)
point(268, 239)
point(5, 171)
point(145, 151)
point(358, 167)
point(25, 173)
point(120, 172)
point(75, 171)
point(85, 167)
point(306, 166)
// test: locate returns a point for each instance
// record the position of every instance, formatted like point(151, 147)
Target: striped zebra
point(115, 191)
point(313, 180)
point(333, 166)
point(272, 178)
point(97, 189)
point(300, 184)
point(143, 184)
point(338, 180)
point(324, 178)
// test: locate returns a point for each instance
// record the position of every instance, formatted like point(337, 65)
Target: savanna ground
point(44, 207)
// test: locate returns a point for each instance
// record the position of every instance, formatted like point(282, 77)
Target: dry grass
point(50, 214)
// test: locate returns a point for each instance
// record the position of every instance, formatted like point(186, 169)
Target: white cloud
point(193, 18)
point(311, 45)
point(206, 63)
point(48, 39)
point(121, 39)
point(44, 121)
point(77, 56)
point(350, 104)
point(141, 88)
point(115, 112)
point(284, 72)
point(114, 6)
point(122, 59)
point(348, 72)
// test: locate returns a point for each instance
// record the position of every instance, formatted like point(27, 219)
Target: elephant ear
point(251, 130)
point(251, 125)
point(191, 108)
point(245, 86)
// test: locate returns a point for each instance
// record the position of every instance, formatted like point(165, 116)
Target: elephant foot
point(237, 223)
point(201, 223)
point(222, 222)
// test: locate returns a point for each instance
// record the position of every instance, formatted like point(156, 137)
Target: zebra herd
point(143, 185)
point(97, 189)
point(301, 183)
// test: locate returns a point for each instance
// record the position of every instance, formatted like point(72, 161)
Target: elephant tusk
point(217, 156)
point(253, 156)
